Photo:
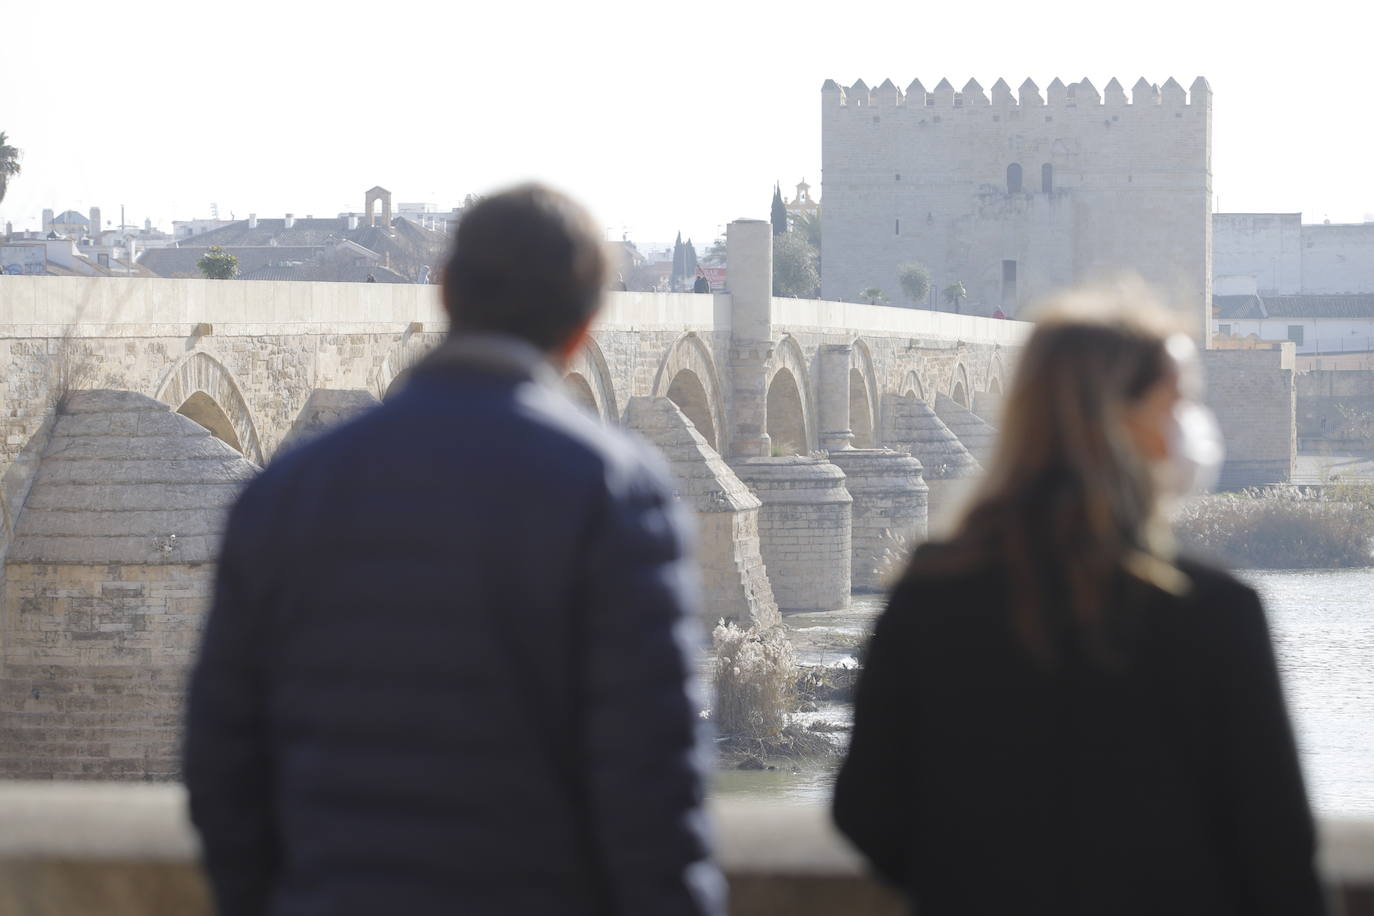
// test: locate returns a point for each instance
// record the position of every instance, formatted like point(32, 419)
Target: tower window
point(896, 227)
point(1046, 178)
point(1014, 178)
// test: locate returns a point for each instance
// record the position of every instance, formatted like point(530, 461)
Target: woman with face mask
point(1058, 715)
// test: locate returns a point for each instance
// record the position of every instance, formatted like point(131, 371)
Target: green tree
point(809, 225)
point(715, 255)
point(9, 164)
point(689, 259)
point(778, 216)
point(794, 267)
point(955, 294)
point(218, 264)
point(679, 262)
point(915, 281)
point(874, 295)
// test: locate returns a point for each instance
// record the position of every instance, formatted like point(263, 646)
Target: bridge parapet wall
point(138, 306)
point(128, 849)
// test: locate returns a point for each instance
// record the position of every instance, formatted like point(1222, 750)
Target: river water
point(1323, 628)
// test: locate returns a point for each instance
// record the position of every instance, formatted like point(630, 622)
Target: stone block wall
point(926, 176)
point(735, 582)
point(93, 668)
point(890, 508)
point(1254, 395)
point(805, 530)
point(1322, 393)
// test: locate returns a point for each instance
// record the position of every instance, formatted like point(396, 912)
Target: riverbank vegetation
point(757, 691)
point(1282, 527)
point(754, 680)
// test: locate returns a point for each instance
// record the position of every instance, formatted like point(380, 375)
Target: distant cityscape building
point(351, 247)
point(190, 228)
point(802, 204)
point(1283, 256)
point(348, 248)
point(69, 224)
point(36, 254)
point(1017, 194)
point(73, 244)
point(1276, 278)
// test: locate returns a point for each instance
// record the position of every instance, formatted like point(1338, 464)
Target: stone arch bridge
point(791, 425)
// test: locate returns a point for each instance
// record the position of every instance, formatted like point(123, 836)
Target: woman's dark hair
point(1068, 507)
point(528, 262)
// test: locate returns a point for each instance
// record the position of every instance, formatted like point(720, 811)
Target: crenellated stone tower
point(1018, 194)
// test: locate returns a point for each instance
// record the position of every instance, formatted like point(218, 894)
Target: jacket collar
point(491, 354)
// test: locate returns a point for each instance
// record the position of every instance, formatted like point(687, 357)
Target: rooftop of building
point(181, 262)
point(71, 218)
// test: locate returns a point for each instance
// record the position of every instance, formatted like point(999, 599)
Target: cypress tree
point(679, 260)
point(779, 214)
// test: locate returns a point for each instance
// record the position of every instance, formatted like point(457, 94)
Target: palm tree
point(955, 293)
point(9, 163)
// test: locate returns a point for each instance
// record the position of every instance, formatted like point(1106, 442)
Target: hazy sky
point(661, 116)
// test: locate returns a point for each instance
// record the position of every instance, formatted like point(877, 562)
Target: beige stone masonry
point(890, 507)
point(805, 529)
point(735, 582)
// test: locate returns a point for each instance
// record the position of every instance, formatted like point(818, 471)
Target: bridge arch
point(202, 388)
point(958, 386)
point(588, 380)
point(390, 376)
point(996, 374)
point(863, 395)
point(579, 391)
point(790, 410)
point(687, 376)
point(911, 386)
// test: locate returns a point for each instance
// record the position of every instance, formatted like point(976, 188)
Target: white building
point(1285, 257)
point(183, 229)
point(1317, 324)
point(1278, 279)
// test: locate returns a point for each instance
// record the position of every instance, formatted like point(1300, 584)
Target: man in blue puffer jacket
point(449, 668)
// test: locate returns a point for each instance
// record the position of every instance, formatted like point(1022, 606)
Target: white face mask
point(1195, 450)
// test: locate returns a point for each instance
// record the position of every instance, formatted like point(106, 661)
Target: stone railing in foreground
point(100, 849)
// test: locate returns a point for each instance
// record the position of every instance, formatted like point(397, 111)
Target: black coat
point(447, 668)
point(1163, 782)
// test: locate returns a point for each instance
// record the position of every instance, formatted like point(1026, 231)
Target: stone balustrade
point(82, 849)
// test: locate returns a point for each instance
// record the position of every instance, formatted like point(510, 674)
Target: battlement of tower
point(1082, 94)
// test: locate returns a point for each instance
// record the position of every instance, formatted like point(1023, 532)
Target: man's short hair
point(528, 262)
